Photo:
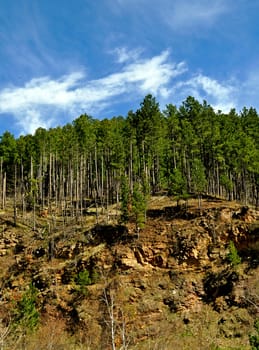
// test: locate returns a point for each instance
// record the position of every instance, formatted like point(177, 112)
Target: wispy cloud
point(177, 14)
point(42, 101)
point(249, 89)
point(28, 43)
point(221, 95)
point(188, 14)
point(34, 103)
point(124, 55)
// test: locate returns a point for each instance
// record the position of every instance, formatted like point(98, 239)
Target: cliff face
point(171, 285)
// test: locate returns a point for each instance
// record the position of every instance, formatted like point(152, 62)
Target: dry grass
point(139, 295)
point(194, 331)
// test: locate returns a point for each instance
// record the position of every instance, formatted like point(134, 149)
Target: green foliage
point(198, 176)
point(84, 129)
point(233, 256)
point(8, 148)
point(84, 279)
point(26, 314)
point(254, 338)
point(146, 120)
point(31, 195)
point(8, 156)
point(226, 182)
point(183, 150)
point(178, 186)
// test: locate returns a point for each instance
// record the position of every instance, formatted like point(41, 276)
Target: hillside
point(175, 284)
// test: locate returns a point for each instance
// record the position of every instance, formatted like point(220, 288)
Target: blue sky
point(62, 58)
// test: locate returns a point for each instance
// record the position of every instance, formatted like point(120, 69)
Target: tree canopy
point(191, 149)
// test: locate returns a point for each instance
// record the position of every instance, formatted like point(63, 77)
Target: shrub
point(26, 314)
point(254, 338)
point(84, 279)
point(233, 256)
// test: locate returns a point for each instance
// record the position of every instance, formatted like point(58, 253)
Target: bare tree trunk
point(81, 185)
point(15, 196)
point(71, 189)
point(96, 173)
point(131, 168)
point(107, 195)
point(50, 182)
point(90, 177)
point(34, 214)
point(96, 185)
point(110, 305)
point(77, 188)
point(102, 185)
point(22, 191)
point(4, 191)
point(40, 175)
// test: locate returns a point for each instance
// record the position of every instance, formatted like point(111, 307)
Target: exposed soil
point(170, 285)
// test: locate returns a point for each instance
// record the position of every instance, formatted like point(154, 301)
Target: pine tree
point(178, 185)
point(139, 205)
point(199, 181)
point(26, 314)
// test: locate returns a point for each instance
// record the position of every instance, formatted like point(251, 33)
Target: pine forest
point(192, 149)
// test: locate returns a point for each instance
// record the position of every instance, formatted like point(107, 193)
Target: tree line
point(190, 149)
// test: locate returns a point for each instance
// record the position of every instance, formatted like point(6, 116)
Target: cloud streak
point(222, 96)
point(177, 14)
point(188, 14)
point(72, 94)
point(43, 102)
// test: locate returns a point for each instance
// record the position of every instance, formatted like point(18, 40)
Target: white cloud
point(39, 102)
point(147, 75)
point(222, 96)
point(123, 54)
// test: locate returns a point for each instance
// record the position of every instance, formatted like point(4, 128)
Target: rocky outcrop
point(174, 266)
